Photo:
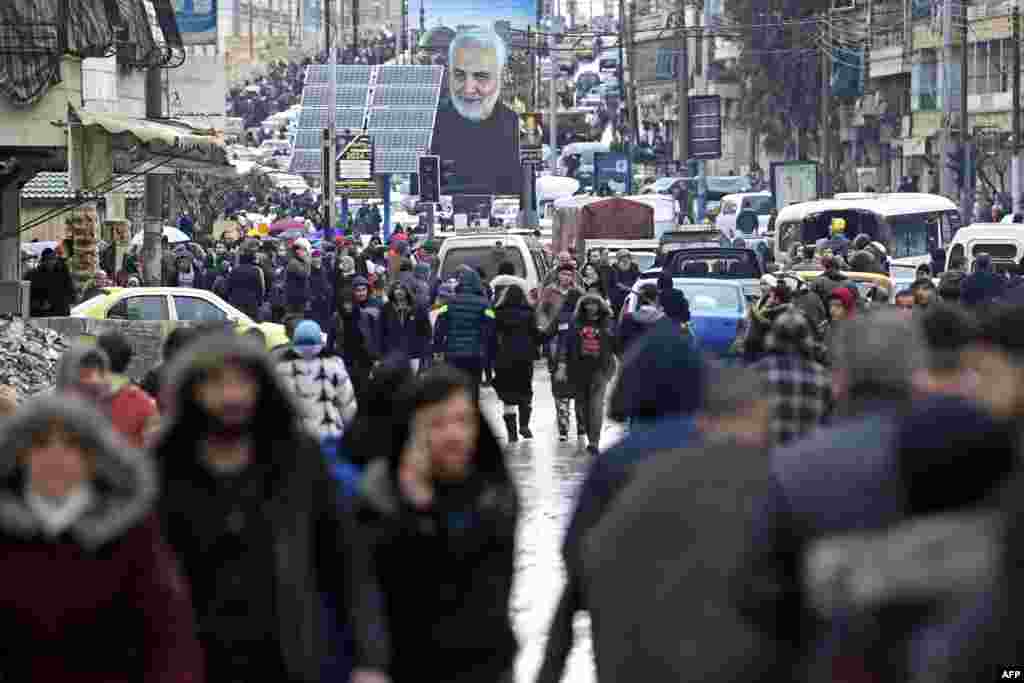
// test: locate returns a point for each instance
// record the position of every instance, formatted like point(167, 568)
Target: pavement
point(548, 474)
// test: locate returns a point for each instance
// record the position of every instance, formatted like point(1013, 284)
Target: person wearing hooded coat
point(319, 382)
point(516, 340)
point(586, 355)
point(92, 593)
point(444, 498)
point(983, 285)
point(405, 325)
point(660, 389)
point(297, 281)
point(621, 278)
point(321, 290)
point(250, 510)
point(464, 330)
point(246, 287)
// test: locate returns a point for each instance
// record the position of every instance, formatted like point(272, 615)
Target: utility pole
point(966, 143)
point(946, 180)
point(1016, 162)
point(252, 44)
point(682, 58)
point(329, 159)
point(826, 117)
point(152, 244)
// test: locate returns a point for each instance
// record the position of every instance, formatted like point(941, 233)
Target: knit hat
point(360, 281)
point(838, 226)
point(307, 333)
point(623, 253)
point(302, 243)
point(675, 305)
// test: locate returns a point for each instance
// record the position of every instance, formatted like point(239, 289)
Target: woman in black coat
point(518, 337)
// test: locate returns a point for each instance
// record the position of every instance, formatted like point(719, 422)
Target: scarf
point(57, 515)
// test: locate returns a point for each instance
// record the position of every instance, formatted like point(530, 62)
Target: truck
point(578, 219)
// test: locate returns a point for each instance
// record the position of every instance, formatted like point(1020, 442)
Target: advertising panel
point(197, 21)
point(793, 182)
point(355, 169)
point(613, 173)
point(475, 128)
point(198, 88)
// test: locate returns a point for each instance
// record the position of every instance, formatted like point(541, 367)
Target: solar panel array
point(396, 104)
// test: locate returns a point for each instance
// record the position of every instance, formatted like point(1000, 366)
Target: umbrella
point(173, 235)
point(287, 224)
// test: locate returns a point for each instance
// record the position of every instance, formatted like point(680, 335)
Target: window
point(194, 309)
point(712, 298)
point(725, 265)
point(486, 257)
point(728, 208)
point(762, 206)
point(153, 307)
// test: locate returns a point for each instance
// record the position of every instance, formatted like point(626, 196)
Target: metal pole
point(252, 43)
point(946, 180)
point(553, 127)
point(152, 245)
point(826, 116)
point(331, 149)
point(682, 92)
point(967, 191)
point(1017, 166)
point(430, 220)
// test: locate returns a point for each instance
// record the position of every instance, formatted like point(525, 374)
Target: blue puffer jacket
point(465, 327)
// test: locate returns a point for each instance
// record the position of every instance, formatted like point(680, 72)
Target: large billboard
point(475, 131)
point(198, 88)
point(197, 21)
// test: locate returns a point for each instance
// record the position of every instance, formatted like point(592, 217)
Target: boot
point(510, 425)
point(524, 421)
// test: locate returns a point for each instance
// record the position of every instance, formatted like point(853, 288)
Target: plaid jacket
point(801, 395)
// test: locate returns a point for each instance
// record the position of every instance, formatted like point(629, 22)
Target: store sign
point(355, 169)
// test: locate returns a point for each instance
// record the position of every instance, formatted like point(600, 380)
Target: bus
point(911, 226)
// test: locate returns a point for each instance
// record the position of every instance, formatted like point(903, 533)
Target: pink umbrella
point(287, 224)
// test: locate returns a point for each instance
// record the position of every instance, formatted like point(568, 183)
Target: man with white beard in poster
point(477, 131)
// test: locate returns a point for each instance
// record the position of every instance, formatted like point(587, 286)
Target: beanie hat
point(360, 281)
point(307, 333)
point(675, 305)
point(302, 243)
point(838, 226)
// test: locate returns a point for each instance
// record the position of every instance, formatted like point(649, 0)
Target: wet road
point(548, 474)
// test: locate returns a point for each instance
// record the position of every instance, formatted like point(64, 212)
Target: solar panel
point(400, 139)
point(410, 74)
point(308, 139)
point(408, 96)
point(401, 118)
point(404, 101)
point(396, 161)
point(347, 96)
point(305, 162)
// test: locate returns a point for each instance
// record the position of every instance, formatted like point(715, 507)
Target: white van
point(489, 250)
point(1004, 243)
point(761, 203)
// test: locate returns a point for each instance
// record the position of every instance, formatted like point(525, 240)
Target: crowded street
point(520, 342)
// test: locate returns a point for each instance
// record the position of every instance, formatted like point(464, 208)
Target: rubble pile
point(28, 356)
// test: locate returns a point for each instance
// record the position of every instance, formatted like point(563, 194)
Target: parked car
point(720, 263)
point(718, 310)
point(174, 303)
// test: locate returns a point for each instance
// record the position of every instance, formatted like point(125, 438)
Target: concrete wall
point(147, 337)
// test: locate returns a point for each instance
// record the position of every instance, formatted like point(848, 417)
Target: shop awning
point(174, 142)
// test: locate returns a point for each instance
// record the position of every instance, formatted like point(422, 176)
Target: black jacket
point(448, 612)
point(313, 542)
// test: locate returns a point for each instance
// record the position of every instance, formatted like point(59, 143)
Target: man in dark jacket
point(621, 278)
point(464, 331)
point(635, 323)
point(442, 498)
point(251, 512)
point(831, 279)
point(296, 282)
point(51, 290)
point(355, 335)
point(984, 285)
point(660, 388)
point(405, 325)
point(680, 598)
point(246, 288)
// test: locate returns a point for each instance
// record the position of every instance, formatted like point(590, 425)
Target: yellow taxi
point(174, 304)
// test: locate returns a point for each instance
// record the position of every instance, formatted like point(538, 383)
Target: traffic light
point(448, 173)
point(955, 163)
point(429, 179)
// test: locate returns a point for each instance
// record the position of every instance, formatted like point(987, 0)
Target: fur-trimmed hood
point(604, 312)
point(502, 283)
point(124, 480)
point(277, 417)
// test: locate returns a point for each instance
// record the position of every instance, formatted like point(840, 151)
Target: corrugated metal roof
point(55, 186)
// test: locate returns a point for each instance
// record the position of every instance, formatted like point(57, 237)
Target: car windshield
point(712, 298)
point(725, 265)
point(487, 257)
point(644, 259)
point(760, 205)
